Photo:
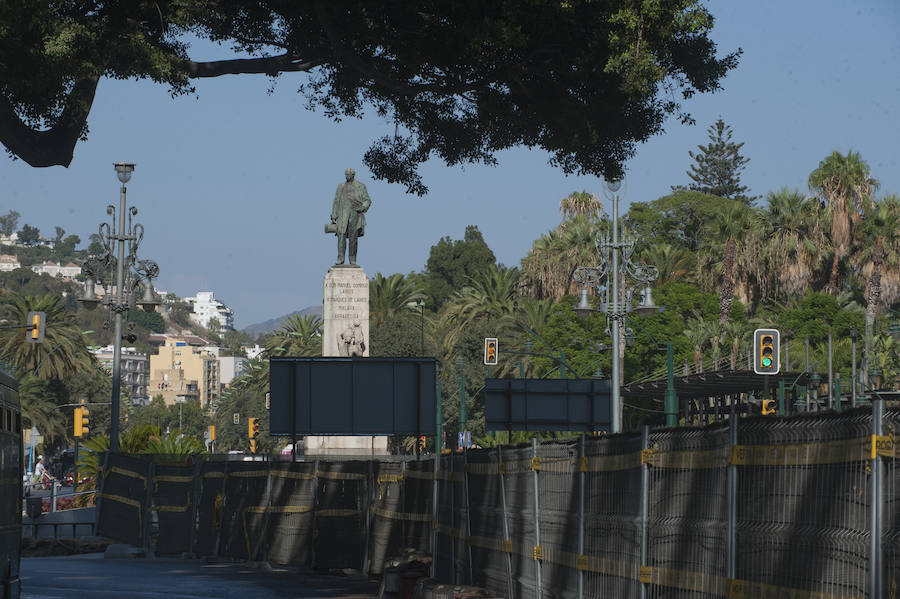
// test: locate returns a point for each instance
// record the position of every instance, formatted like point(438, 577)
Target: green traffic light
point(767, 361)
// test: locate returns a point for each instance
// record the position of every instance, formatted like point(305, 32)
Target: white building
point(55, 269)
point(8, 263)
point(135, 371)
point(230, 367)
point(206, 307)
point(253, 352)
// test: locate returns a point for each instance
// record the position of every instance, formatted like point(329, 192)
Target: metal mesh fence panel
point(418, 489)
point(519, 490)
point(173, 498)
point(340, 516)
point(446, 526)
point(804, 502)
point(489, 557)
point(244, 497)
point(558, 495)
point(123, 502)
point(891, 510)
point(209, 507)
point(687, 511)
point(387, 511)
point(289, 529)
point(612, 512)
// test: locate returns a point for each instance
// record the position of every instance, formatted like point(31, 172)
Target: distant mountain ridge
point(274, 324)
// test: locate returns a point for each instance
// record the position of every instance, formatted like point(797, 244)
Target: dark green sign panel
point(547, 404)
point(352, 396)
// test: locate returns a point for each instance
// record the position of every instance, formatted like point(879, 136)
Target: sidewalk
point(92, 576)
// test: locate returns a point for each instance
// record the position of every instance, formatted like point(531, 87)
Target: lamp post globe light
point(616, 280)
point(127, 282)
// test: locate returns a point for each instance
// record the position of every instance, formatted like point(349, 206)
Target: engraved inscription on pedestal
point(345, 312)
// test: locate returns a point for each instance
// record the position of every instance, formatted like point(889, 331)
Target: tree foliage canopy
point(585, 81)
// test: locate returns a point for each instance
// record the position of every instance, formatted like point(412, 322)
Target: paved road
point(91, 576)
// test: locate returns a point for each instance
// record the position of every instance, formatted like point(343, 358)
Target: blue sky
point(234, 185)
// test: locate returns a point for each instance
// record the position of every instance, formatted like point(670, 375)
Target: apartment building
point(183, 369)
point(8, 263)
point(135, 371)
point(206, 307)
point(55, 269)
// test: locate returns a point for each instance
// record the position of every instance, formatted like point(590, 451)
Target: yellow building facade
point(180, 371)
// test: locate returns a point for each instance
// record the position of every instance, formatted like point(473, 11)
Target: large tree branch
point(269, 65)
point(55, 146)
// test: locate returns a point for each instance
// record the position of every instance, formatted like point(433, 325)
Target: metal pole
point(731, 499)
point(462, 397)
point(671, 401)
point(118, 307)
point(468, 511)
point(614, 313)
point(782, 408)
point(875, 509)
point(434, 510)
point(422, 311)
point(807, 353)
point(75, 480)
point(506, 541)
point(830, 403)
point(53, 491)
point(439, 413)
point(645, 507)
point(581, 462)
point(537, 520)
point(853, 371)
point(837, 391)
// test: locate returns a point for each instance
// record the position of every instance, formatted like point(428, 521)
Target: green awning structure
point(716, 383)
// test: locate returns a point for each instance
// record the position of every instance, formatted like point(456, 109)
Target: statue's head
point(349, 174)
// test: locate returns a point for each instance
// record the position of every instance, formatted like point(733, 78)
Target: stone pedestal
point(345, 312)
point(345, 308)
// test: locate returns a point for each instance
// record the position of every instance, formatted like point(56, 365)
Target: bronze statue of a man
point(348, 214)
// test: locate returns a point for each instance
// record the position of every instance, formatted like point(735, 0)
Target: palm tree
point(845, 184)
point(39, 409)
point(299, 335)
point(391, 296)
point(793, 241)
point(581, 203)
point(549, 266)
point(724, 246)
point(491, 294)
point(63, 351)
point(673, 263)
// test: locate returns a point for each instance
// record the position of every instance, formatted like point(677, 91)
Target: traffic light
point(35, 327)
point(82, 424)
point(766, 344)
point(768, 407)
point(490, 351)
point(212, 432)
point(420, 444)
point(253, 427)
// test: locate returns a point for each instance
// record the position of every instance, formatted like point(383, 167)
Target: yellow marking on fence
point(336, 513)
point(390, 478)
point(279, 509)
point(610, 463)
point(582, 465)
point(507, 546)
point(582, 562)
point(409, 516)
point(646, 456)
point(294, 475)
point(645, 574)
point(420, 474)
point(340, 475)
point(213, 474)
point(535, 463)
point(456, 477)
point(173, 479)
point(883, 445)
point(803, 454)
point(698, 459)
point(501, 468)
point(124, 472)
point(538, 552)
point(170, 508)
point(248, 474)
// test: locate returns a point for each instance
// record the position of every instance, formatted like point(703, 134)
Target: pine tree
point(718, 166)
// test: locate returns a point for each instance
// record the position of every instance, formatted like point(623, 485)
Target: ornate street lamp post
point(132, 286)
point(610, 279)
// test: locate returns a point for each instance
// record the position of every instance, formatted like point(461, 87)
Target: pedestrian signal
point(490, 351)
point(768, 407)
point(766, 349)
point(35, 327)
